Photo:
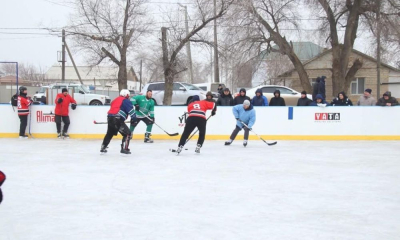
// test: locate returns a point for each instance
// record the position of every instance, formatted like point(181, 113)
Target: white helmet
point(124, 93)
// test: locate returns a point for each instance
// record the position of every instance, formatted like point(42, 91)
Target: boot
point(124, 150)
point(147, 138)
point(197, 150)
point(245, 143)
point(228, 142)
point(103, 149)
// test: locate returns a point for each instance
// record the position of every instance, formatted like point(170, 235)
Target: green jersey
point(146, 105)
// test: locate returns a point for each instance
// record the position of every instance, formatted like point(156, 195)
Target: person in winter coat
point(367, 99)
point(23, 110)
point(241, 98)
point(246, 114)
point(321, 87)
point(63, 100)
point(220, 89)
point(2, 179)
point(387, 100)
point(304, 100)
point(341, 100)
point(315, 88)
point(225, 99)
point(319, 101)
point(259, 99)
point(277, 100)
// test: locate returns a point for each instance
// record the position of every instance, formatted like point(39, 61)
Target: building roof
point(329, 51)
point(304, 51)
point(13, 79)
point(86, 73)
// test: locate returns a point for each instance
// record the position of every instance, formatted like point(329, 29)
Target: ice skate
point(197, 150)
point(125, 151)
point(103, 149)
point(59, 135)
point(24, 137)
point(179, 150)
point(65, 135)
point(245, 143)
point(227, 143)
point(147, 138)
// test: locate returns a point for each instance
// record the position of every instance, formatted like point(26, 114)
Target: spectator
point(277, 100)
point(62, 101)
point(321, 87)
point(341, 100)
point(304, 100)
point(387, 100)
point(220, 89)
point(259, 99)
point(209, 97)
point(367, 99)
point(315, 88)
point(319, 101)
point(225, 99)
point(241, 98)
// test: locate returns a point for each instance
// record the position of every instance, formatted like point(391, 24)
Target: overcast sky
point(20, 41)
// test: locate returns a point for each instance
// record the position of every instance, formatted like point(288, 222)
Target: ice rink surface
point(64, 189)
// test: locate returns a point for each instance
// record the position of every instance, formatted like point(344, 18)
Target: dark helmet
point(22, 88)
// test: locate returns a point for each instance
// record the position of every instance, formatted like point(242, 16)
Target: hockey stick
point(269, 144)
point(95, 122)
point(169, 134)
point(187, 140)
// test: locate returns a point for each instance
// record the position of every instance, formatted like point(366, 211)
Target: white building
point(97, 77)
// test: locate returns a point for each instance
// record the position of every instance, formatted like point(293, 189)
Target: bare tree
point(171, 50)
point(108, 30)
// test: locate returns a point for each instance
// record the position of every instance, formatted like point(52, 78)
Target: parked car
point(182, 93)
point(290, 95)
point(82, 94)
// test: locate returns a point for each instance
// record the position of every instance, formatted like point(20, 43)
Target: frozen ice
point(64, 189)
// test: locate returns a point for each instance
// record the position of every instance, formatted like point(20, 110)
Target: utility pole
point(63, 57)
point(216, 67)
point(73, 63)
point(189, 52)
point(378, 51)
point(141, 64)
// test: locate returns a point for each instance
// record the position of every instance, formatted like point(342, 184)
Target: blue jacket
point(248, 116)
point(259, 101)
point(319, 96)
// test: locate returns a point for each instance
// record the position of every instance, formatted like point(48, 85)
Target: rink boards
point(273, 123)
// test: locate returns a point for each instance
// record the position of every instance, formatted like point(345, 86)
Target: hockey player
point(119, 111)
point(144, 106)
point(62, 101)
point(197, 118)
point(2, 179)
point(243, 113)
point(23, 110)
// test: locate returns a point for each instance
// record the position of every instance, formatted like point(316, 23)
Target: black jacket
point(277, 101)
point(239, 99)
point(315, 89)
point(304, 101)
point(341, 102)
point(321, 87)
point(382, 101)
point(225, 100)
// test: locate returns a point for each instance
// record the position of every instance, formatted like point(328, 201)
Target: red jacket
point(23, 105)
point(199, 108)
point(2, 178)
point(62, 108)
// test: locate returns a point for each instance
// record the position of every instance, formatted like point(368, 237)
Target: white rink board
point(274, 122)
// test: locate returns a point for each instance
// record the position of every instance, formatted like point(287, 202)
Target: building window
point(313, 80)
point(357, 86)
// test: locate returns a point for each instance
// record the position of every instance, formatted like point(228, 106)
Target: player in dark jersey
point(119, 111)
point(197, 118)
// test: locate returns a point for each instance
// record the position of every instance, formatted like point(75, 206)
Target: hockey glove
point(73, 106)
point(137, 107)
point(60, 100)
point(153, 119)
point(213, 113)
point(237, 119)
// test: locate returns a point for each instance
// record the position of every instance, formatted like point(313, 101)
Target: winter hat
point(209, 94)
point(195, 98)
point(319, 96)
point(259, 91)
point(387, 94)
point(304, 92)
point(226, 89)
point(368, 90)
point(64, 90)
point(246, 103)
point(242, 90)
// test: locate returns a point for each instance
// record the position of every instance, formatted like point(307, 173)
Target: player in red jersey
point(2, 179)
point(121, 108)
point(23, 110)
point(197, 118)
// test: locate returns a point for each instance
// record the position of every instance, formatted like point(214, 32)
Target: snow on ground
point(64, 189)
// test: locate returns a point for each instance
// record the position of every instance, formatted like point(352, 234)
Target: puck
point(186, 149)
